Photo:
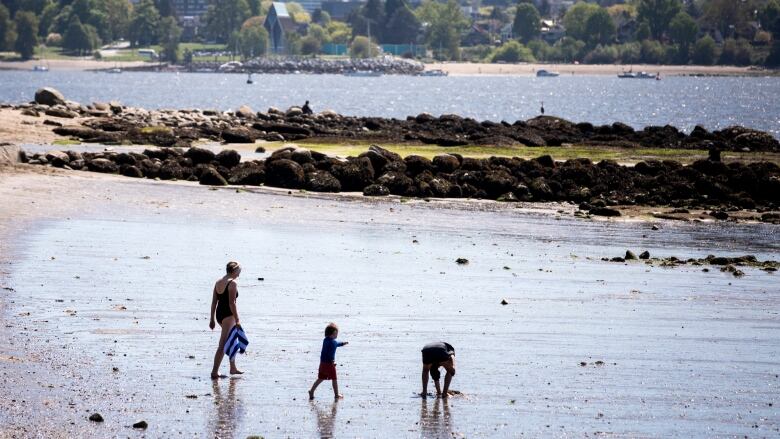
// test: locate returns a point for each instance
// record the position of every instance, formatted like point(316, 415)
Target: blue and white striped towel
point(236, 342)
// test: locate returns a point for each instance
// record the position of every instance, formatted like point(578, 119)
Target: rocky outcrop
point(597, 187)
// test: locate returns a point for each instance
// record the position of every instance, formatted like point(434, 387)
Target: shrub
point(512, 52)
point(602, 55)
point(652, 52)
point(705, 51)
point(54, 39)
point(630, 53)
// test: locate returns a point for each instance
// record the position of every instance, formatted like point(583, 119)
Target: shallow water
point(686, 353)
point(680, 101)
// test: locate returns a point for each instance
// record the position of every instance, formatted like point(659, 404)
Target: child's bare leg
point(336, 393)
point(314, 387)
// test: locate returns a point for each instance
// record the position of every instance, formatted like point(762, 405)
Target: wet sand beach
point(106, 283)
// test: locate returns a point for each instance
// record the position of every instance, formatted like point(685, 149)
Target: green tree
point(527, 24)
point(339, 32)
point(444, 23)
point(602, 55)
point(371, 15)
point(7, 29)
point(320, 17)
point(652, 52)
point(165, 8)
point(657, 14)
point(118, 14)
point(143, 26)
point(770, 14)
point(46, 18)
point(730, 17)
point(255, 7)
point(310, 45)
point(642, 31)
point(736, 52)
point(705, 51)
point(253, 39)
point(576, 18)
point(402, 27)
point(362, 48)
point(224, 17)
point(319, 33)
point(599, 28)
point(77, 39)
point(683, 30)
point(512, 51)
point(570, 49)
point(26, 33)
point(170, 35)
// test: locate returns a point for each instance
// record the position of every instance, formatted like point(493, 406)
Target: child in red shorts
point(328, 360)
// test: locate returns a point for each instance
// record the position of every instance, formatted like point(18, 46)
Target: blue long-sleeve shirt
point(329, 346)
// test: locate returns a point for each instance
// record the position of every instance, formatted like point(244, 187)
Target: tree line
point(652, 31)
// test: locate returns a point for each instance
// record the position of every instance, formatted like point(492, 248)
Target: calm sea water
point(680, 101)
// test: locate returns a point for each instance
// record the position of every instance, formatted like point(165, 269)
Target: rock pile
point(387, 66)
point(113, 123)
point(377, 172)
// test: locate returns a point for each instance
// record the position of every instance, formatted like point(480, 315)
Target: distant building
point(340, 9)
point(310, 5)
point(552, 31)
point(190, 8)
point(278, 22)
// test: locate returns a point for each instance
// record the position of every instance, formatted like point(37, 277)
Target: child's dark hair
point(331, 329)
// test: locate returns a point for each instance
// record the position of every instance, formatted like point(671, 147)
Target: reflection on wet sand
point(228, 410)
point(325, 419)
point(435, 423)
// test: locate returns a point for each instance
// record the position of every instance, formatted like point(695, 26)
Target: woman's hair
point(330, 329)
point(231, 267)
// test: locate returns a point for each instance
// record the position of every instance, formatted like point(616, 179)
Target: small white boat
point(645, 75)
point(40, 68)
point(629, 74)
point(433, 72)
point(114, 70)
point(542, 73)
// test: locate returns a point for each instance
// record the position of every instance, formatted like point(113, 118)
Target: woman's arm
point(233, 292)
point(213, 307)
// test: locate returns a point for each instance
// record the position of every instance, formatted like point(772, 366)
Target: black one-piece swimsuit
point(223, 304)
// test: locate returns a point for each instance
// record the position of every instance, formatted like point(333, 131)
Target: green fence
point(390, 49)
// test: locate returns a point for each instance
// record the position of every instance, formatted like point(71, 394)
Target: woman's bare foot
point(311, 395)
point(235, 372)
point(214, 376)
point(339, 396)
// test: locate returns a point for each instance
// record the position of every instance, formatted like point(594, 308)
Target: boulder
point(130, 171)
point(61, 112)
point(604, 211)
point(376, 190)
point(238, 135)
point(301, 156)
point(497, 182)
point(228, 158)
point(445, 163)
point(58, 158)
point(211, 177)
point(284, 173)
point(354, 174)
point(171, 170)
point(102, 165)
point(398, 183)
point(49, 96)
point(200, 155)
point(440, 187)
point(416, 164)
point(251, 174)
point(245, 112)
point(322, 181)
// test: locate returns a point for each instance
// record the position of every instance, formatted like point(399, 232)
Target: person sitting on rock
point(306, 108)
point(436, 355)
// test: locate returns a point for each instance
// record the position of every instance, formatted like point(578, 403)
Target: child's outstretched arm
point(342, 343)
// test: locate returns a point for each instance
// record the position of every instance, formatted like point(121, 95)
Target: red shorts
point(327, 371)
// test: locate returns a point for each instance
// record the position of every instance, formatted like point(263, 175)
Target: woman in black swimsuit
point(223, 305)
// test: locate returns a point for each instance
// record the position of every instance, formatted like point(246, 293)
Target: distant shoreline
point(454, 69)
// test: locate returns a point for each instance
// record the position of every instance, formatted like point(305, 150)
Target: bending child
point(436, 355)
point(327, 369)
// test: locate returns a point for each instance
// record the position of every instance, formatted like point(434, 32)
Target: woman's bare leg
point(227, 325)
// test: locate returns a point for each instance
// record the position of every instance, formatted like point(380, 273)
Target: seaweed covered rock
point(284, 173)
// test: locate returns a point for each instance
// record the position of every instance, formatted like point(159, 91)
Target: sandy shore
point(587, 69)
point(110, 278)
point(68, 64)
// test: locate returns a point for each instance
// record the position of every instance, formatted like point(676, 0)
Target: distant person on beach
point(327, 369)
point(436, 355)
point(306, 108)
point(223, 306)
